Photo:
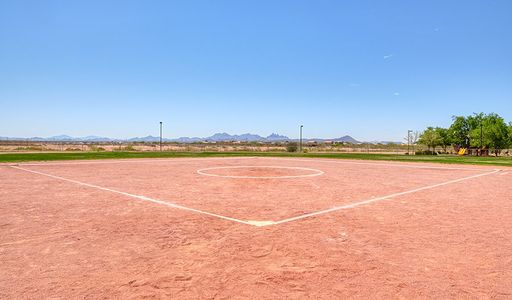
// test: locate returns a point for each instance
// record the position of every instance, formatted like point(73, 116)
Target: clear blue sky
point(371, 69)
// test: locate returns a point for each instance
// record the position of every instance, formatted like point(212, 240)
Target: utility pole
point(300, 140)
point(408, 141)
point(160, 136)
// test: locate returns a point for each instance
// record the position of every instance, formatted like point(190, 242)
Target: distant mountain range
point(218, 137)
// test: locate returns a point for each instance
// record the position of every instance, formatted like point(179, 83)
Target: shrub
point(291, 147)
point(426, 152)
point(30, 148)
point(96, 148)
point(129, 148)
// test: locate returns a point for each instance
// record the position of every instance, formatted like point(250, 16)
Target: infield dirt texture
point(254, 227)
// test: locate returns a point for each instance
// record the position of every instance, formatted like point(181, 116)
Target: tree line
point(481, 131)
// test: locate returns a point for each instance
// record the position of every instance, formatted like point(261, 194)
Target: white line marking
point(179, 159)
point(504, 173)
point(315, 172)
point(263, 223)
point(400, 165)
point(130, 160)
point(352, 205)
point(143, 198)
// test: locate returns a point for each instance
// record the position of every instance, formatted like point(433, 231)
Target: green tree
point(430, 138)
point(459, 130)
point(445, 138)
point(493, 132)
point(510, 134)
point(475, 120)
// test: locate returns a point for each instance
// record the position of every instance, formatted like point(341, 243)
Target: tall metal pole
point(300, 141)
point(160, 136)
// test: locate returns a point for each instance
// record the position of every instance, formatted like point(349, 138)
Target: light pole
point(300, 140)
point(160, 136)
point(408, 140)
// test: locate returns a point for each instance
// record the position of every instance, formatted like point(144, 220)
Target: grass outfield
point(448, 159)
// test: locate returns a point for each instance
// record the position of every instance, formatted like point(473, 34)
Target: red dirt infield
point(249, 227)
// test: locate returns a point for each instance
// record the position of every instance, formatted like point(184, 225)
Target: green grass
point(447, 159)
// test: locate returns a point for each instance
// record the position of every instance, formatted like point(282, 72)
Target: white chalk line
point(180, 159)
point(399, 165)
point(130, 160)
point(142, 198)
point(372, 200)
point(505, 173)
point(265, 223)
point(204, 171)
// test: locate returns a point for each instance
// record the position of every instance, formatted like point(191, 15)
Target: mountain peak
point(276, 137)
point(347, 139)
point(217, 137)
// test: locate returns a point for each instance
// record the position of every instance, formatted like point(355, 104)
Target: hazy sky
point(371, 69)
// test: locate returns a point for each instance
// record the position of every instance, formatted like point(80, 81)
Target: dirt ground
point(101, 229)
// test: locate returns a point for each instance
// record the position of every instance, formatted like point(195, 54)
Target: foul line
point(130, 160)
point(347, 161)
point(263, 223)
point(142, 198)
point(352, 205)
point(184, 159)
